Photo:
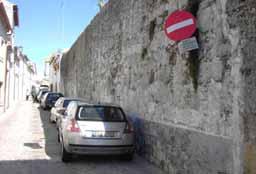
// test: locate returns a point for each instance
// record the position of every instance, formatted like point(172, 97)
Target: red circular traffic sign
point(180, 25)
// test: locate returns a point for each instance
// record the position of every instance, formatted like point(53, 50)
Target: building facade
point(52, 70)
point(17, 72)
point(8, 21)
point(20, 77)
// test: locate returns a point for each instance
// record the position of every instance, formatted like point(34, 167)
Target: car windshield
point(100, 113)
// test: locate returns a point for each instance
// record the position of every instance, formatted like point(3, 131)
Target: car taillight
point(128, 128)
point(73, 126)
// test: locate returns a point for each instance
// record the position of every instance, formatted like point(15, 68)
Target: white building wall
point(3, 47)
point(9, 11)
point(9, 90)
point(2, 72)
point(53, 78)
point(54, 75)
point(21, 81)
point(12, 81)
point(2, 31)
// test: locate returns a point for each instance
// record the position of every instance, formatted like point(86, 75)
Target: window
point(58, 103)
point(53, 96)
point(66, 102)
point(71, 109)
point(101, 113)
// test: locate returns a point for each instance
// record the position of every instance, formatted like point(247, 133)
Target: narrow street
point(29, 145)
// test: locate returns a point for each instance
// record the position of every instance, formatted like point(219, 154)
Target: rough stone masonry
point(194, 113)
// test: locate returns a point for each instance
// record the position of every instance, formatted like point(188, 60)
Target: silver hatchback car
point(96, 129)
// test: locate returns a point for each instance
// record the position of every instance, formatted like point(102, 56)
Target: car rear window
point(54, 96)
point(66, 102)
point(43, 92)
point(100, 113)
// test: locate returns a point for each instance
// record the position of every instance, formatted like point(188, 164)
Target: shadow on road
point(52, 147)
point(34, 167)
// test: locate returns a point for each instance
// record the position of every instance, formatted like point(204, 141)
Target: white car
point(48, 100)
point(95, 129)
point(60, 107)
point(41, 94)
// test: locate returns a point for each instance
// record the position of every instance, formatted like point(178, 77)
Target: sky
point(46, 26)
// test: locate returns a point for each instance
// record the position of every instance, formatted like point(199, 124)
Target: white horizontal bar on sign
point(180, 25)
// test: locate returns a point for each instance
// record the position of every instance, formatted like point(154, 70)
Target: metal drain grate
point(33, 145)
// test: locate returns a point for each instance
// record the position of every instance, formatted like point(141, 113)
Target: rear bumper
point(100, 150)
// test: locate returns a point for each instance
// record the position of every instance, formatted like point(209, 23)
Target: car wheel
point(65, 156)
point(58, 134)
point(128, 157)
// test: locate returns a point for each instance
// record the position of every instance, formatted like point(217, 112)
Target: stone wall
point(193, 112)
point(242, 16)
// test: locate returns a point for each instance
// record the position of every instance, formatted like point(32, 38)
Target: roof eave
point(4, 16)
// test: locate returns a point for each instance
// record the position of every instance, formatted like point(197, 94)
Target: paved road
point(28, 145)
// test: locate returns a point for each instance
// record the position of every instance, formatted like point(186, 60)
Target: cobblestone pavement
point(28, 145)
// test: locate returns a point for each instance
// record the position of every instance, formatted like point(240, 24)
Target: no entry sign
point(180, 25)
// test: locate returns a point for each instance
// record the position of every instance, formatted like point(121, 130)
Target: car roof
point(43, 89)
point(70, 98)
point(45, 92)
point(54, 93)
point(98, 104)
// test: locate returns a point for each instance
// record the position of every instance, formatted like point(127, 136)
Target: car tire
point(65, 156)
point(128, 157)
point(58, 134)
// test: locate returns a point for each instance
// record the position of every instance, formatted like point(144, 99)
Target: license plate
point(101, 134)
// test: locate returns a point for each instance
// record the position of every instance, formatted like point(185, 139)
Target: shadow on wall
point(138, 125)
point(178, 150)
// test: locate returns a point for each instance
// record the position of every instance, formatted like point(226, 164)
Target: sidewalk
point(1, 108)
point(10, 110)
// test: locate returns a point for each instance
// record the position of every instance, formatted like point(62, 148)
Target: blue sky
point(40, 30)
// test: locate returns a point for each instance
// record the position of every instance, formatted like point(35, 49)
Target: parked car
point(41, 94)
point(44, 87)
point(95, 129)
point(60, 107)
point(49, 99)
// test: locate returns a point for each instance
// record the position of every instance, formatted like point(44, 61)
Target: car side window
point(73, 110)
point(57, 103)
point(60, 103)
point(45, 96)
point(69, 109)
